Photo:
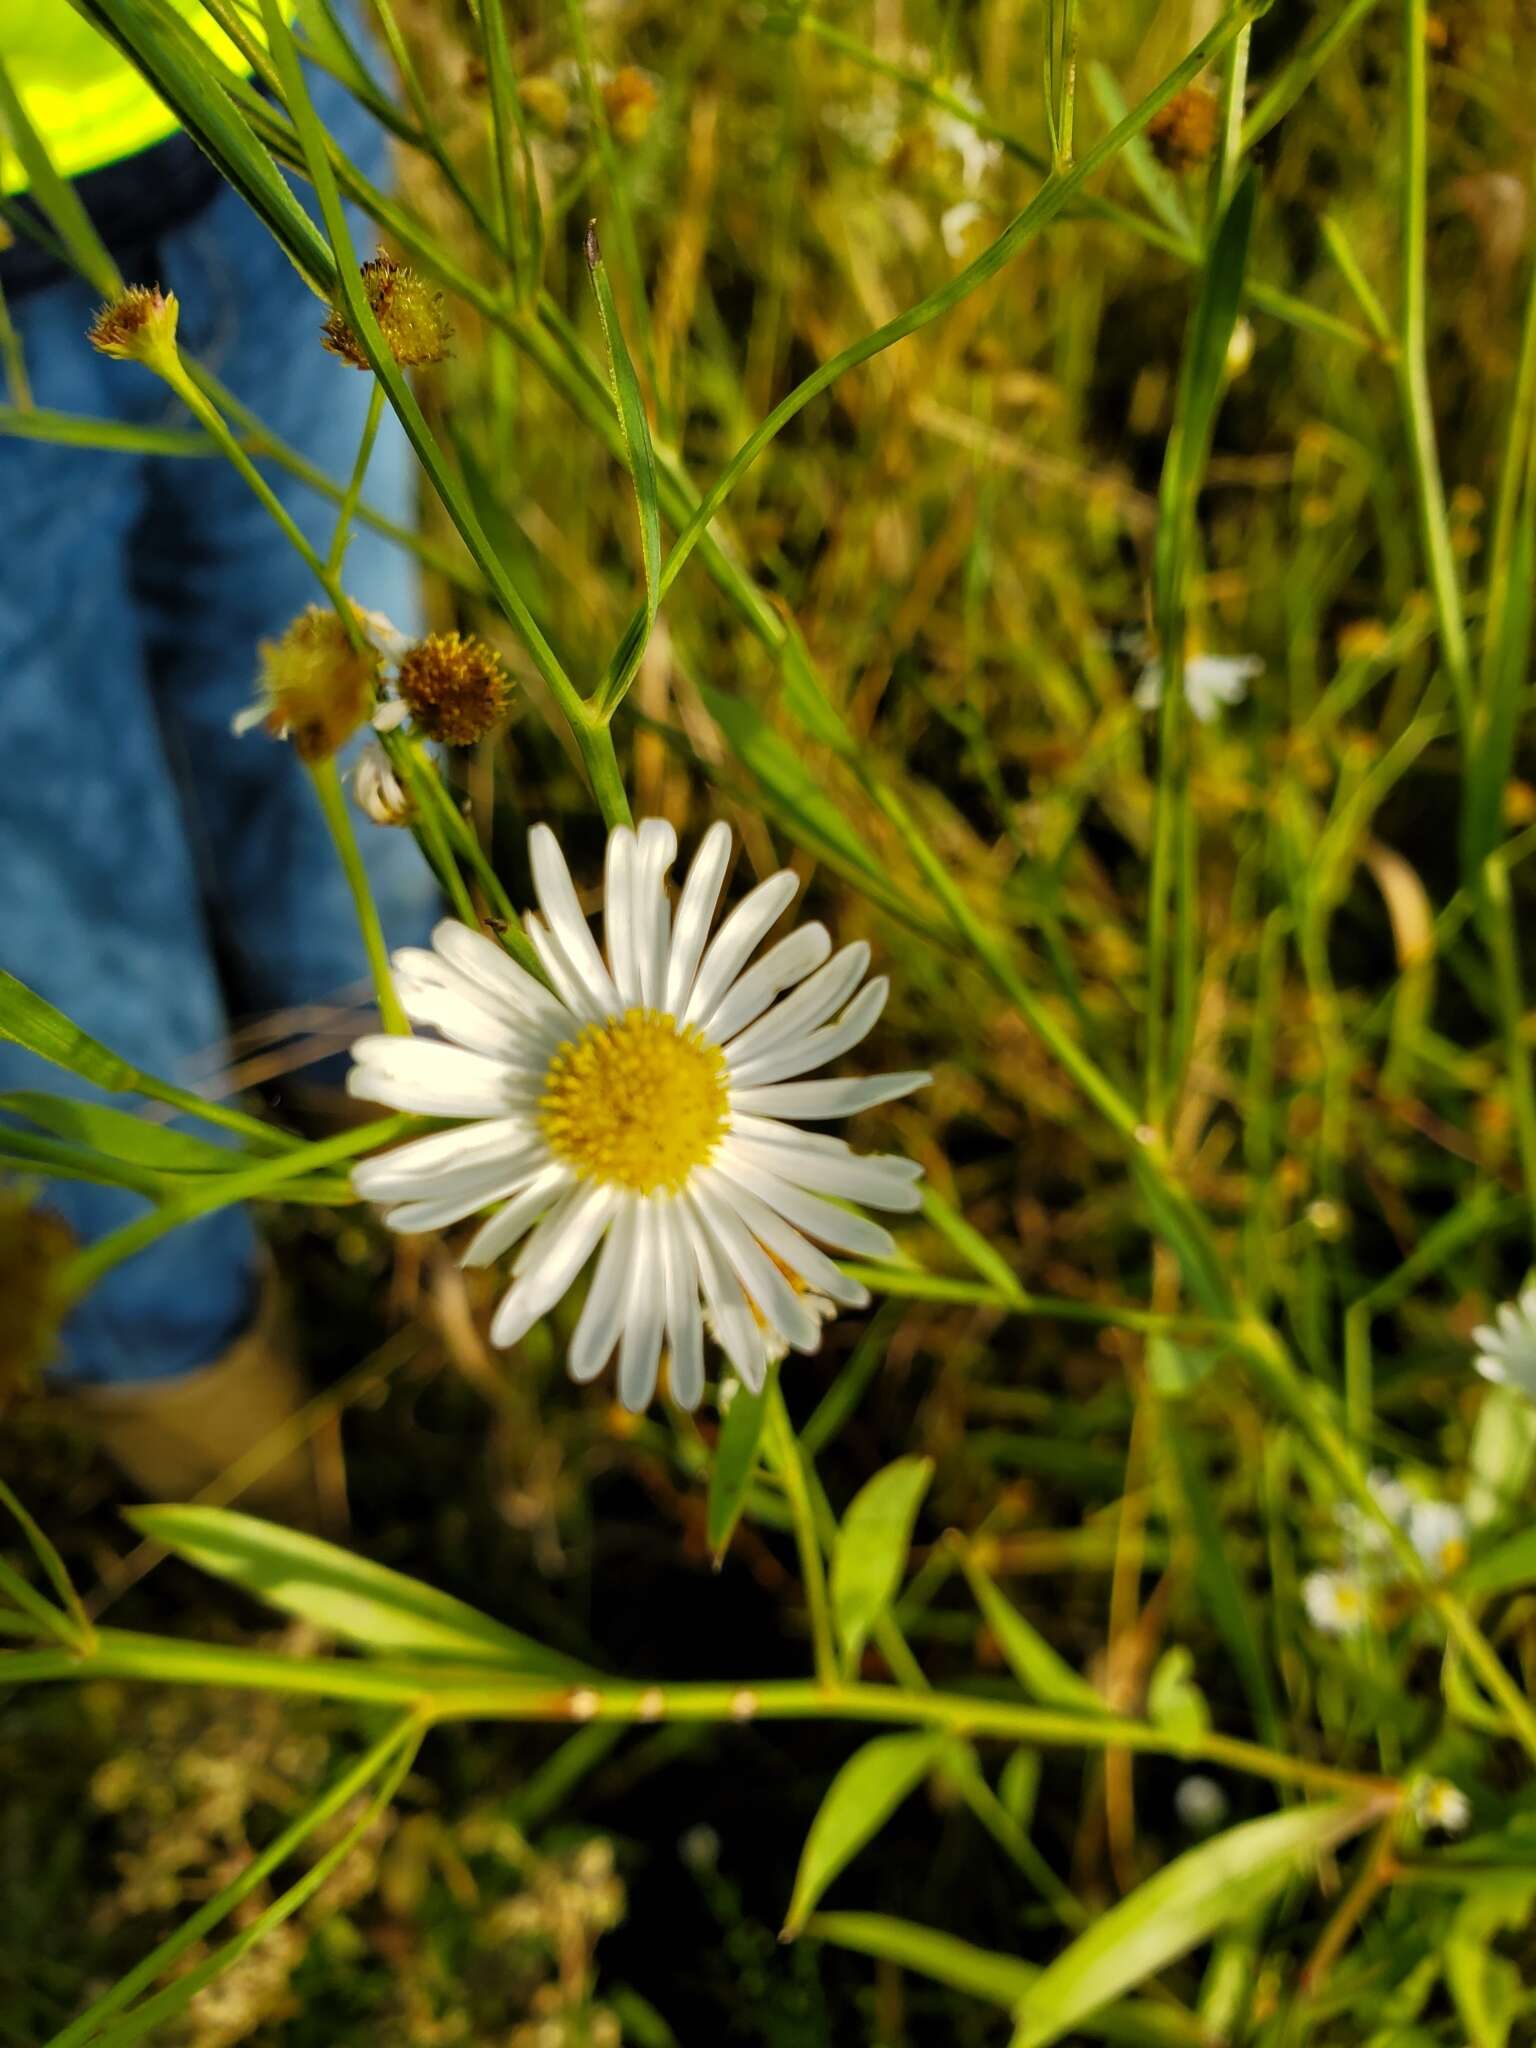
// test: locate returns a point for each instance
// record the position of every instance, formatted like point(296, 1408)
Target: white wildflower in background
point(978, 155)
point(955, 225)
point(1437, 1803)
point(1336, 1603)
point(644, 1111)
point(1200, 1803)
point(1506, 1348)
point(1367, 1540)
point(1438, 1532)
point(1210, 681)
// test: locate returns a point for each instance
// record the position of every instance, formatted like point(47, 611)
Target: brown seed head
point(317, 687)
point(138, 326)
point(408, 310)
point(1184, 132)
point(629, 100)
point(455, 686)
point(34, 1243)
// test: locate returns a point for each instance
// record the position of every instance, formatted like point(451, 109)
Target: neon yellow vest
point(86, 101)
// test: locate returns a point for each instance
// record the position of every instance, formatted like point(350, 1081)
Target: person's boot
point(174, 1437)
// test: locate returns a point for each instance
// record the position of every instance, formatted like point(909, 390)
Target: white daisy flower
point(1438, 1532)
point(1336, 1603)
point(1506, 1348)
point(1437, 1803)
point(643, 1109)
point(1210, 681)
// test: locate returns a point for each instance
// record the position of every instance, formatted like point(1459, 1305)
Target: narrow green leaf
point(29, 1020)
point(1508, 1565)
point(999, 1979)
point(1506, 668)
point(80, 430)
point(53, 1565)
point(870, 1553)
point(184, 72)
point(860, 1800)
point(1224, 1880)
point(28, 1601)
point(641, 459)
point(121, 1135)
point(1044, 1674)
point(1488, 1989)
point(367, 1603)
point(970, 1244)
point(741, 1432)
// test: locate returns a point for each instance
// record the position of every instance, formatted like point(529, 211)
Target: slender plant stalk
point(347, 510)
point(333, 803)
point(790, 1463)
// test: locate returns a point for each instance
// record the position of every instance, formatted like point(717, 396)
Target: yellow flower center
point(637, 1102)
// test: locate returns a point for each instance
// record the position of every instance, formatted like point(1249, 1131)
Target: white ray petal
point(815, 1099)
point(483, 963)
point(781, 967)
point(565, 1241)
point(572, 990)
point(828, 988)
point(463, 1020)
point(736, 1328)
point(685, 1322)
point(619, 914)
point(602, 1315)
point(695, 910)
point(501, 1231)
point(416, 1167)
point(433, 1080)
point(765, 1286)
point(557, 899)
point(878, 1178)
point(653, 912)
point(452, 1205)
point(785, 1242)
point(736, 940)
point(842, 1229)
point(644, 1315)
point(803, 1053)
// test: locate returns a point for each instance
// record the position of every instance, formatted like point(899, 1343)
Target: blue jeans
point(161, 875)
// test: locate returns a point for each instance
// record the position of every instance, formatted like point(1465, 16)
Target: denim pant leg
point(101, 909)
point(216, 577)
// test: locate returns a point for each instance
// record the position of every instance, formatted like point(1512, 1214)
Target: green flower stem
point(784, 1448)
point(216, 1191)
point(1412, 368)
point(338, 818)
point(420, 777)
point(434, 791)
point(1498, 919)
point(337, 1795)
point(459, 1693)
point(354, 490)
point(912, 1283)
point(14, 361)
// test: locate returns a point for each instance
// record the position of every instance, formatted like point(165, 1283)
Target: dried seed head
point(548, 102)
point(34, 1243)
point(456, 687)
point(408, 310)
point(629, 100)
point(138, 326)
point(1184, 132)
point(379, 791)
point(316, 687)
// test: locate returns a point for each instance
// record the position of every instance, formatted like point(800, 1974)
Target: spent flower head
point(1506, 1347)
point(643, 1108)
point(316, 687)
point(138, 326)
point(454, 687)
point(409, 312)
point(1183, 133)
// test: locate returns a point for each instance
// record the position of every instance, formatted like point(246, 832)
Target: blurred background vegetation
point(963, 531)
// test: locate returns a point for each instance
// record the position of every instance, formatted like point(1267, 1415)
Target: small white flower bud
point(379, 791)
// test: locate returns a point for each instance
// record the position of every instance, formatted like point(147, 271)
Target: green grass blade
point(641, 460)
